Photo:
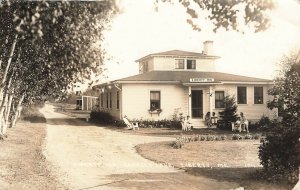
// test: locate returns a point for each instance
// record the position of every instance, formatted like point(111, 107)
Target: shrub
point(237, 137)
point(279, 153)
point(223, 137)
point(101, 117)
point(203, 138)
point(210, 138)
point(32, 114)
point(262, 124)
point(177, 144)
point(256, 136)
point(119, 123)
point(248, 136)
point(172, 124)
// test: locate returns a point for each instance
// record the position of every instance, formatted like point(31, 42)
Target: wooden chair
point(130, 125)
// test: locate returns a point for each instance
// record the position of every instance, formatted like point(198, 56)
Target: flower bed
point(180, 141)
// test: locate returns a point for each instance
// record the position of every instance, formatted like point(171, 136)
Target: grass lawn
point(228, 160)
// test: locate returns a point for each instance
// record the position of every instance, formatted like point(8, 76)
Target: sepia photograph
point(150, 94)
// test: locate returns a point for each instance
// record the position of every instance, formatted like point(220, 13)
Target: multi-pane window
point(191, 64)
point(154, 100)
point(118, 100)
point(242, 95)
point(179, 63)
point(110, 101)
point(258, 95)
point(107, 100)
point(219, 99)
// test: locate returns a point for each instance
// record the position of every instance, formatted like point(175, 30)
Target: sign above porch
point(199, 80)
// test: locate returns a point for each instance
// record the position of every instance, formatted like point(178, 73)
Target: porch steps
point(198, 124)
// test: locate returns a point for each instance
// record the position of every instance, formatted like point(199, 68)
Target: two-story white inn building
point(182, 82)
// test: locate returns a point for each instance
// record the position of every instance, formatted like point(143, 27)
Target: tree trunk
point(7, 114)
point(17, 112)
point(2, 85)
point(2, 116)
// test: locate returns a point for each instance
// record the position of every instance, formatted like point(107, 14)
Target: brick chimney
point(208, 48)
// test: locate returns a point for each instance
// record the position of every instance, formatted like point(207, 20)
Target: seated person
point(208, 120)
point(244, 122)
point(183, 125)
point(236, 125)
point(214, 119)
point(188, 123)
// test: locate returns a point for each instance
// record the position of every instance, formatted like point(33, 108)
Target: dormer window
point(145, 66)
point(179, 63)
point(190, 64)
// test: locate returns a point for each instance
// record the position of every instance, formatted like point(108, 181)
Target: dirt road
point(90, 157)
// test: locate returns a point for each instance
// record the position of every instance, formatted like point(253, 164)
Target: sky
point(140, 30)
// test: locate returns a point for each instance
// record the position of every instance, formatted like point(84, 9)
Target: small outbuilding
point(86, 103)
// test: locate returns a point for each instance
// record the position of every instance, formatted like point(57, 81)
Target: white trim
point(199, 84)
point(149, 82)
point(179, 56)
point(240, 82)
point(203, 102)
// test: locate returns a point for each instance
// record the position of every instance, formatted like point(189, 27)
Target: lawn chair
point(130, 125)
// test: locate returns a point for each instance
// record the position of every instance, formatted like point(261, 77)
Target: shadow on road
point(176, 180)
point(68, 121)
point(247, 177)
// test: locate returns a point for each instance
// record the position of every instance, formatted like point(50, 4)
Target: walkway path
point(90, 157)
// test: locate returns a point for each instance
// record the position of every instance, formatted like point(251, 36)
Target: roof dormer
point(180, 60)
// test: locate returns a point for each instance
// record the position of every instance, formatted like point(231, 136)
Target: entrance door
point(197, 104)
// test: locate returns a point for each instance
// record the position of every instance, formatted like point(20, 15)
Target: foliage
point(102, 117)
point(174, 124)
point(46, 46)
point(228, 115)
point(248, 136)
point(287, 91)
point(262, 124)
point(177, 144)
point(31, 113)
point(90, 92)
point(183, 139)
point(71, 98)
point(279, 152)
point(237, 137)
point(228, 14)
point(177, 116)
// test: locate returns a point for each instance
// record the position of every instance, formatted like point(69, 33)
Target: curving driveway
point(88, 157)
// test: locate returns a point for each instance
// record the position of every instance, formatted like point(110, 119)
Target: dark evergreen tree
point(228, 115)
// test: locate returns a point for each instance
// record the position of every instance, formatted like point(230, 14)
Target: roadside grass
point(22, 162)
point(32, 114)
point(228, 160)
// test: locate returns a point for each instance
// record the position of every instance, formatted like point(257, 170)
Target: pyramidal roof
point(177, 53)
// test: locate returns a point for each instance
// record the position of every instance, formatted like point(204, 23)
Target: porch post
point(82, 102)
point(190, 102)
point(211, 99)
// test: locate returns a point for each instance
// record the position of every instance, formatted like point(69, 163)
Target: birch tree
point(45, 47)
